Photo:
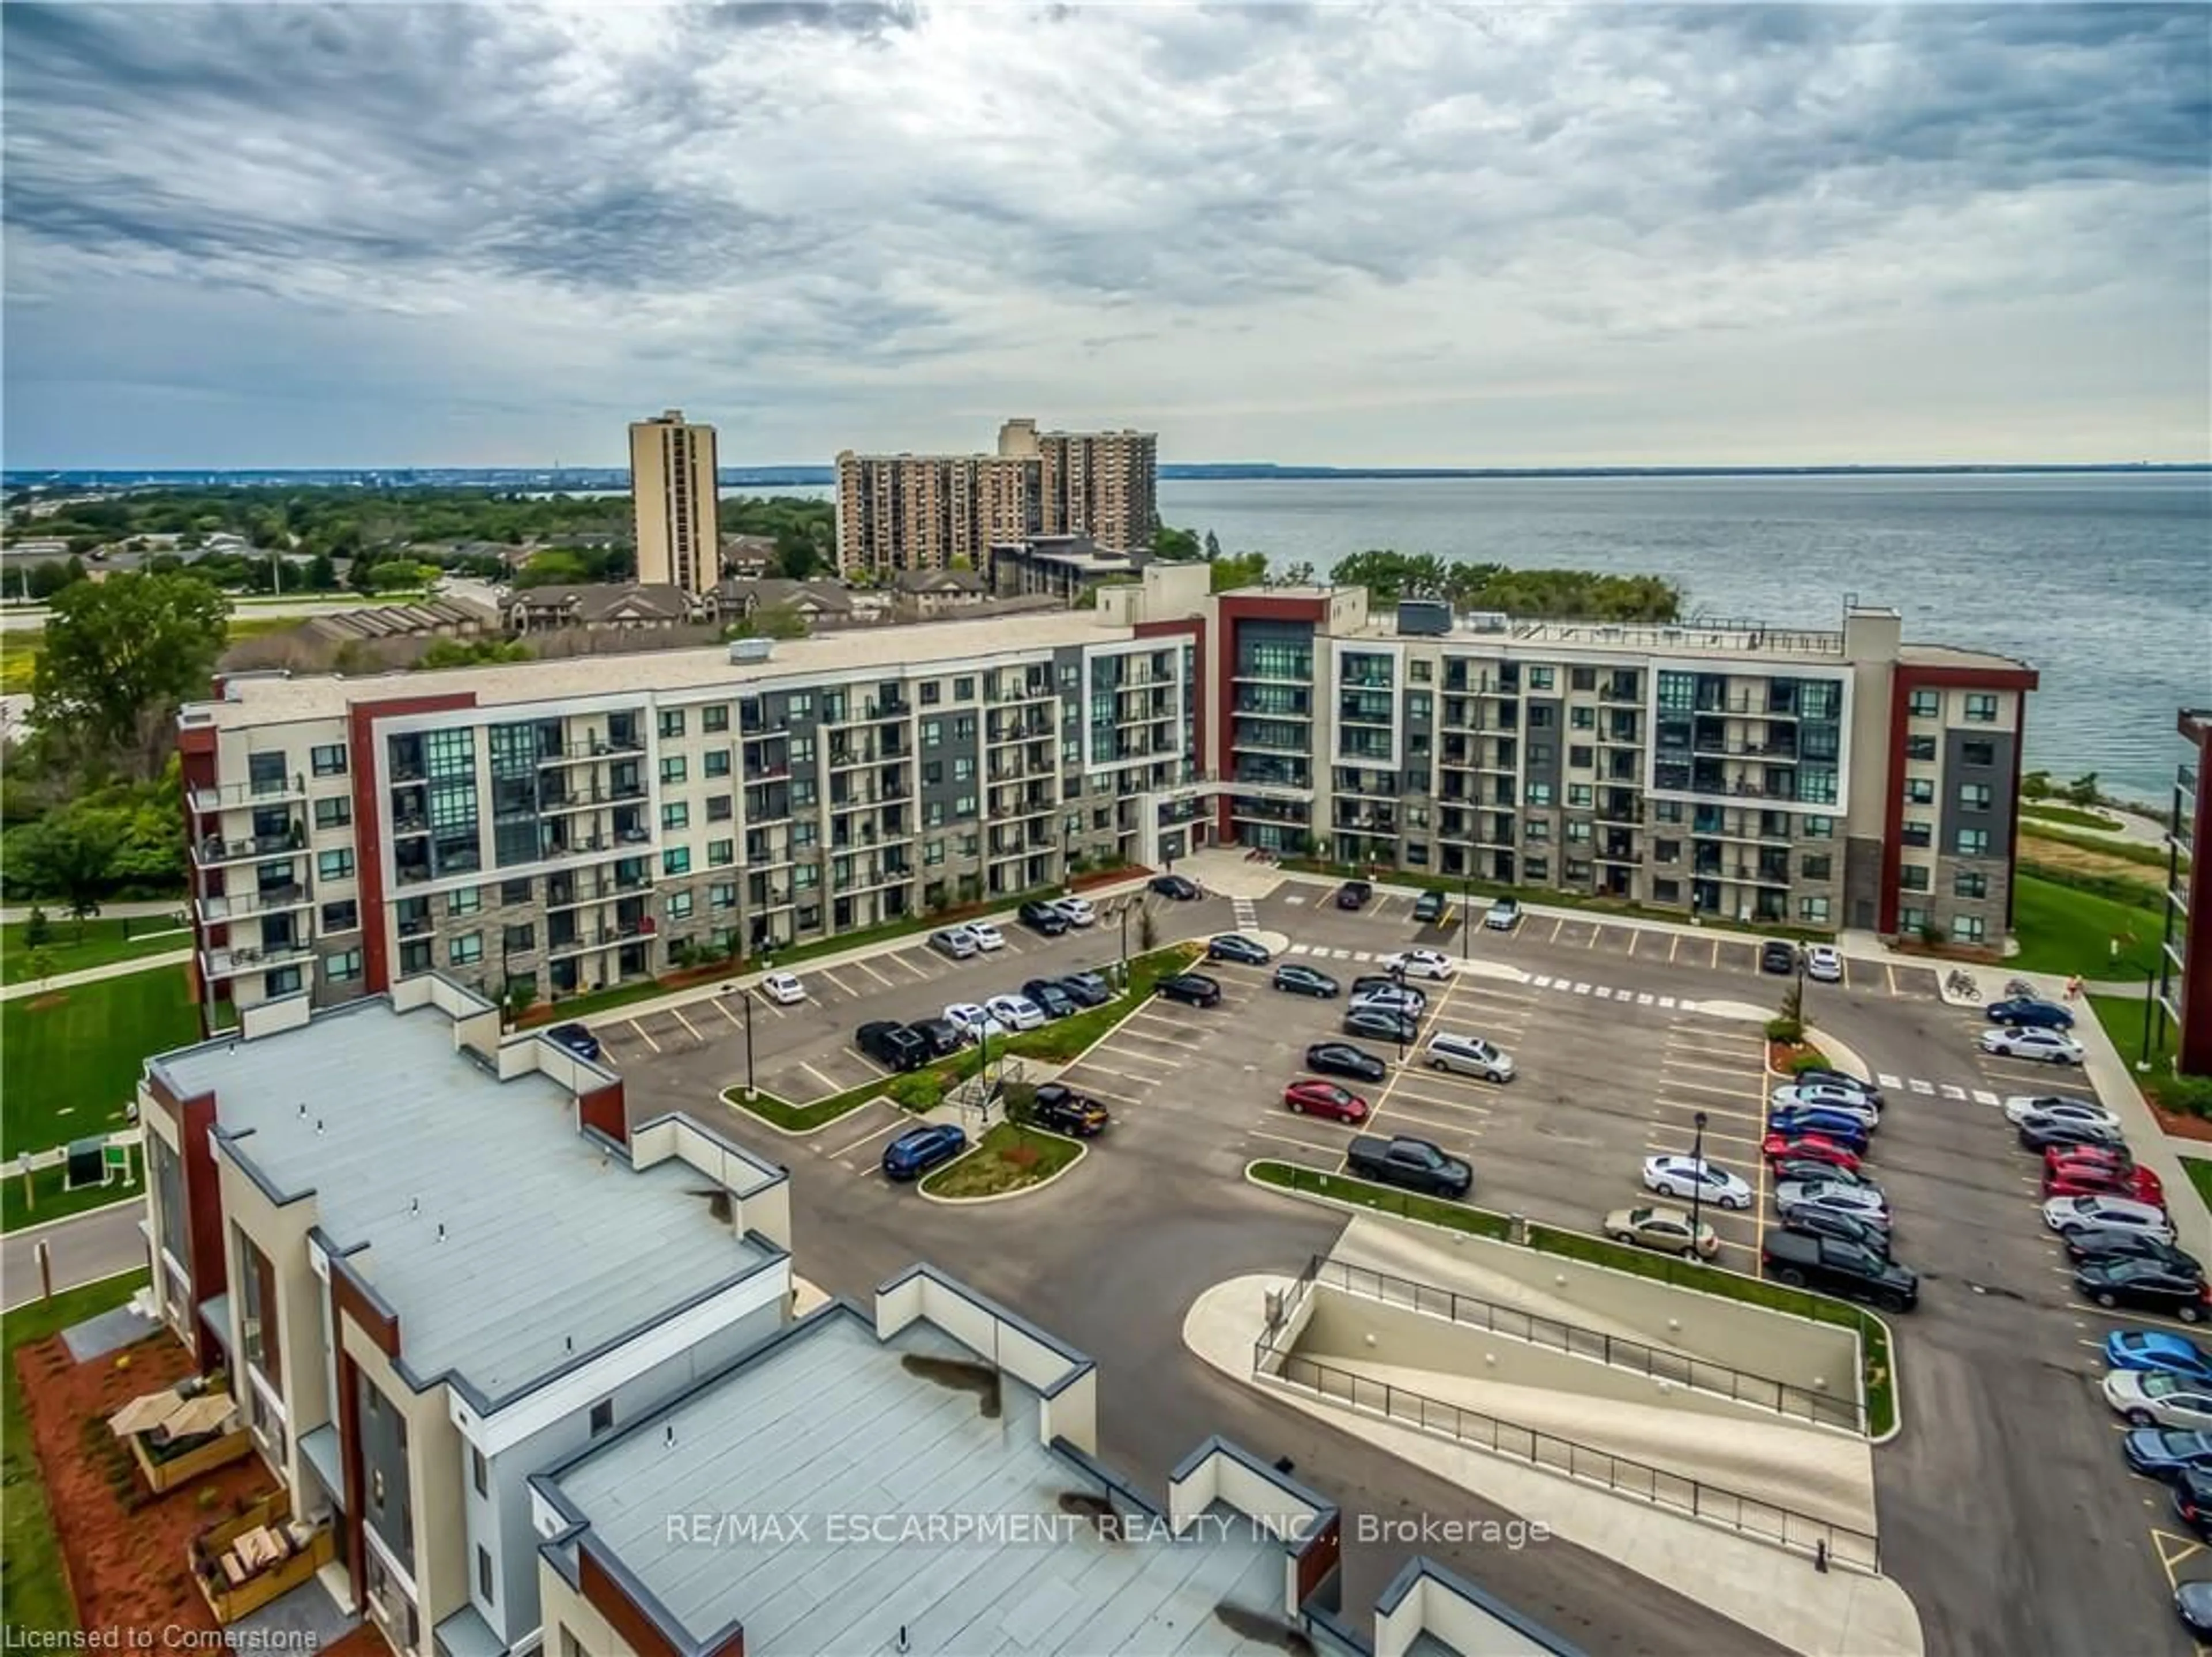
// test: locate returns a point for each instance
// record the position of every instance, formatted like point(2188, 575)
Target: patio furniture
point(245, 1562)
point(181, 1432)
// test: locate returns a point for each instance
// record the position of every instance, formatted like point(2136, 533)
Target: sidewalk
point(93, 974)
point(125, 911)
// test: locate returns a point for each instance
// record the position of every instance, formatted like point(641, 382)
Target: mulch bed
point(2183, 1127)
point(123, 1546)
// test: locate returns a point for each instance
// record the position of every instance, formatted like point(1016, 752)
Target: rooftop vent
point(751, 650)
point(1428, 617)
point(1486, 621)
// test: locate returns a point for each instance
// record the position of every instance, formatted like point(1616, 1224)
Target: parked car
point(2111, 1243)
point(2193, 1502)
point(1801, 1170)
point(2040, 1133)
point(1353, 894)
point(987, 937)
point(1834, 1223)
point(2065, 1214)
point(1418, 964)
point(1504, 915)
point(1665, 1229)
point(1429, 908)
point(1087, 988)
point(1836, 1126)
point(2029, 1014)
point(1341, 1058)
point(1388, 1000)
point(1814, 1075)
point(2076, 1179)
point(1052, 996)
point(956, 941)
point(1307, 1097)
point(1236, 946)
point(1776, 956)
point(784, 989)
point(1175, 887)
point(1803, 1260)
point(1824, 963)
point(1684, 1177)
point(2192, 1604)
point(1777, 1147)
point(974, 1022)
point(2021, 1107)
point(1468, 1056)
point(1381, 1024)
point(2166, 1453)
point(1367, 983)
point(576, 1038)
point(1016, 1012)
point(2155, 1351)
point(1818, 1096)
point(1065, 1110)
point(1193, 989)
point(892, 1045)
point(938, 1035)
point(1041, 917)
point(918, 1150)
point(1413, 1164)
point(1305, 981)
point(1854, 1201)
point(1077, 910)
point(2042, 1046)
point(2103, 1156)
point(2147, 1286)
point(2157, 1399)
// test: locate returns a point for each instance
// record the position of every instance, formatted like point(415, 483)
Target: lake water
point(2103, 583)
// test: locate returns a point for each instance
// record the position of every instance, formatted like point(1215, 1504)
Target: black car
point(1844, 1226)
point(1353, 894)
point(1065, 1110)
point(2041, 1135)
point(1174, 887)
point(2116, 1243)
point(1052, 996)
point(2192, 1500)
point(2161, 1453)
point(1801, 1260)
point(2192, 1603)
point(1378, 1024)
point(942, 1035)
point(1236, 946)
point(1042, 917)
point(2143, 1283)
point(1341, 1058)
point(892, 1045)
point(1305, 981)
point(1193, 989)
point(1777, 956)
point(1429, 908)
point(576, 1038)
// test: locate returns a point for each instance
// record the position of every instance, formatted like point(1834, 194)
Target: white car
point(2151, 1398)
point(1016, 1012)
point(1817, 1096)
point(1471, 1056)
point(2021, 1108)
point(1504, 915)
point(1794, 1197)
point(784, 989)
point(2066, 1214)
point(2045, 1046)
point(956, 941)
point(1408, 1001)
point(1683, 1176)
point(986, 935)
point(972, 1022)
point(1824, 963)
point(1077, 910)
point(1418, 964)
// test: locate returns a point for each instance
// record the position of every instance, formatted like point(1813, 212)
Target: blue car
point(2158, 1352)
point(2023, 1014)
point(1845, 1130)
point(576, 1038)
point(918, 1150)
point(2156, 1453)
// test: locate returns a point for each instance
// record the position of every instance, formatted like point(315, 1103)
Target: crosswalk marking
point(1247, 916)
point(1886, 1079)
point(1984, 1096)
point(1643, 999)
point(1581, 990)
point(1668, 1001)
point(1951, 1090)
point(1602, 993)
point(1920, 1087)
point(1541, 983)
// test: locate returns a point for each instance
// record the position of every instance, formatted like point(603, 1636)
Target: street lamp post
point(1697, 1183)
point(2150, 991)
point(1466, 914)
point(1067, 856)
point(1124, 913)
point(747, 999)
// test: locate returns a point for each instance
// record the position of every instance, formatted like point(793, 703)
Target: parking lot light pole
point(1697, 1184)
point(1466, 913)
point(1124, 908)
point(748, 999)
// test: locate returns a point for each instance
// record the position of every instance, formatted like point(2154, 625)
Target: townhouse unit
point(567, 824)
point(1820, 779)
point(434, 1263)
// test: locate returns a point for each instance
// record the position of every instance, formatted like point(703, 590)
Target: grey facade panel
point(386, 1504)
point(1996, 775)
point(1863, 875)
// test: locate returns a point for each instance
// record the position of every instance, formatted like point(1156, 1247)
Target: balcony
point(1267, 707)
point(598, 748)
point(1619, 693)
point(1271, 744)
point(863, 713)
point(270, 791)
point(1266, 811)
point(212, 851)
point(228, 963)
point(1297, 671)
point(1714, 742)
point(273, 900)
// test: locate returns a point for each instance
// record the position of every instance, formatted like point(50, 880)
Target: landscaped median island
point(1874, 1359)
point(1007, 1159)
point(923, 1090)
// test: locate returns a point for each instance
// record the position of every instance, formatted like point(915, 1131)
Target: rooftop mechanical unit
point(1486, 621)
point(1427, 617)
point(751, 650)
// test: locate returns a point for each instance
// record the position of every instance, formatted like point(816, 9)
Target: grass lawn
point(70, 1061)
point(34, 1591)
point(2062, 930)
point(1006, 1159)
point(2200, 1175)
point(2067, 816)
point(103, 942)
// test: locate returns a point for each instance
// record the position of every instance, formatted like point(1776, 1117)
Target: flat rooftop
point(550, 1250)
point(890, 651)
point(832, 1421)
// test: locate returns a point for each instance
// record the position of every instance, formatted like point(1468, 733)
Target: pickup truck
point(1414, 1164)
point(1065, 1110)
point(1838, 1267)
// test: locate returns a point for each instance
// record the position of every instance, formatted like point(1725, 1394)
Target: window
point(1540, 793)
point(1540, 719)
point(1970, 883)
point(1667, 891)
point(1418, 706)
point(963, 769)
point(334, 865)
point(721, 853)
point(467, 901)
point(520, 937)
point(963, 689)
point(1974, 796)
point(333, 813)
point(1666, 810)
point(676, 859)
point(329, 761)
point(1911, 920)
point(341, 916)
point(679, 906)
point(1666, 851)
point(1540, 679)
point(1919, 748)
point(484, 1572)
point(676, 814)
point(1978, 751)
point(674, 768)
point(1973, 843)
point(933, 773)
point(1582, 719)
point(932, 731)
point(284, 981)
point(723, 894)
point(716, 764)
point(479, 1471)
point(1813, 911)
point(1580, 795)
point(516, 892)
point(1919, 790)
point(602, 1416)
point(1421, 670)
point(1926, 704)
point(1967, 929)
point(467, 950)
point(720, 808)
point(963, 804)
point(932, 689)
point(1981, 708)
point(1535, 829)
point(1913, 877)
point(1816, 867)
point(1581, 757)
point(345, 967)
point(715, 718)
point(1537, 869)
point(671, 721)
point(1817, 828)
point(1677, 692)
point(1578, 833)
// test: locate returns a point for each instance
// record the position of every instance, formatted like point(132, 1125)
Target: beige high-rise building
point(925, 511)
point(672, 472)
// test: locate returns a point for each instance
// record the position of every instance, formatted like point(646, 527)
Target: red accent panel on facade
point(2195, 1053)
point(352, 1302)
point(612, 1599)
point(1320, 1559)
point(348, 1408)
point(1230, 610)
point(368, 839)
point(195, 1120)
point(1904, 679)
point(601, 1108)
point(196, 769)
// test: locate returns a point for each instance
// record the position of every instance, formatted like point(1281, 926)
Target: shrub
point(1805, 1061)
point(919, 1091)
point(1019, 1099)
point(1785, 1030)
point(2189, 1095)
point(37, 930)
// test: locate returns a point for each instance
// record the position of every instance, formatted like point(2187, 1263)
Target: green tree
point(1239, 569)
point(37, 930)
point(1212, 546)
point(42, 965)
point(797, 557)
point(400, 576)
point(322, 574)
point(2036, 785)
point(773, 621)
point(119, 655)
point(44, 579)
point(2082, 790)
point(554, 566)
point(1300, 574)
point(70, 854)
point(1179, 545)
point(468, 653)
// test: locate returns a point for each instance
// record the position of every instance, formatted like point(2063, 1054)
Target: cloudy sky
point(490, 234)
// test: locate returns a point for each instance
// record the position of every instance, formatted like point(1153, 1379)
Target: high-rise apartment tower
point(671, 481)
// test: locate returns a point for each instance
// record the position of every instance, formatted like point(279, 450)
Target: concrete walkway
point(126, 911)
point(2135, 828)
point(93, 974)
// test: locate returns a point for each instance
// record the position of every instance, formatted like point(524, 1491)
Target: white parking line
point(1105, 1068)
point(1406, 1095)
point(1336, 1151)
point(1581, 990)
point(1394, 1113)
point(841, 987)
point(1738, 1092)
point(888, 1128)
point(819, 1077)
point(872, 973)
point(902, 960)
point(716, 1002)
point(677, 1014)
point(642, 1037)
point(1950, 1090)
point(1668, 1001)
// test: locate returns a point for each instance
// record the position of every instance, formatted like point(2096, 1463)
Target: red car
point(2103, 1156)
point(1313, 1098)
point(2103, 1180)
point(1808, 1148)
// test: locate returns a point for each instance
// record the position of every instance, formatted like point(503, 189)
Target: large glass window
point(335, 811)
point(450, 763)
point(1677, 692)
